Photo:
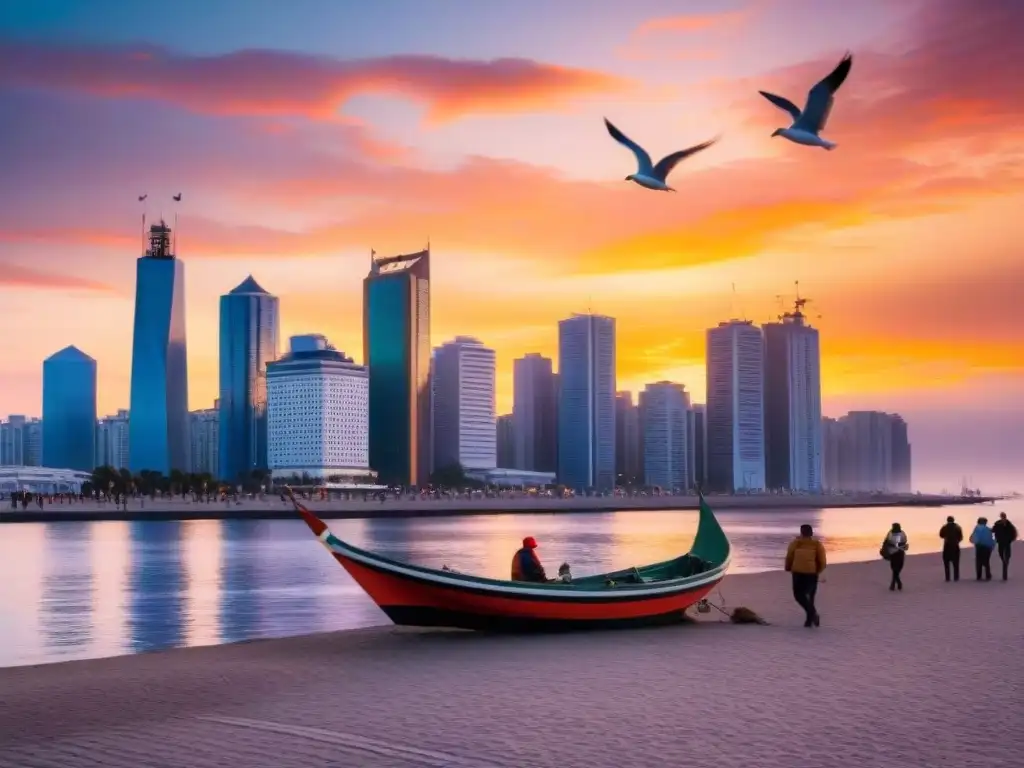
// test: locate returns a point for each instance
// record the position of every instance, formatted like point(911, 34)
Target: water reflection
point(66, 602)
point(79, 590)
point(201, 553)
point(239, 585)
point(156, 586)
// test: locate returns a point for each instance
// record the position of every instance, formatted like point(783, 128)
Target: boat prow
point(413, 595)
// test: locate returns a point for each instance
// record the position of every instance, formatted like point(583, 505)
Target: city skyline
point(526, 232)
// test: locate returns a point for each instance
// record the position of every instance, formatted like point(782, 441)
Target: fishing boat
point(413, 595)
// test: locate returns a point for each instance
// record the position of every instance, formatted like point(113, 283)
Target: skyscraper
point(112, 440)
point(700, 444)
point(158, 429)
point(534, 414)
point(628, 440)
point(792, 403)
point(831, 454)
point(505, 430)
point(396, 350)
point(586, 404)
point(69, 410)
point(901, 462)
point(249, 318)
point(735, 407)
point(666, 436)
point(871, 452)
point(204, 443)
point(464, 405)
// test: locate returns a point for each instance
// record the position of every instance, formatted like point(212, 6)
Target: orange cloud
point(275, 83)
point(17, 277)
point(698, 22)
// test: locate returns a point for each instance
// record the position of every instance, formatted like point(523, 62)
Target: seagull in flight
point(809, 122)
point(648, 175)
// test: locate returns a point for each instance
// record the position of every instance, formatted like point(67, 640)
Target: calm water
point(84, 590)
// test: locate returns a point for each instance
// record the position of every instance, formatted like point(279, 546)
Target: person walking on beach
point(984, 542)
point(805, 559)
point(1005, 534)
point(894, 549)
point(951, 535)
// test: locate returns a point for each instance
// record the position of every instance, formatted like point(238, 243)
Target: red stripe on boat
point(316, 525)
point(388, 589)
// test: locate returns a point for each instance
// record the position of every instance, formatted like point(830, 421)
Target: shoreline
point(167, 511)
point(598, 699)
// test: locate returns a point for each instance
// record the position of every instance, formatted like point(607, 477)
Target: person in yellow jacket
point(805, 559)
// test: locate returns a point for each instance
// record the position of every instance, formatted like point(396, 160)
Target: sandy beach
point(927, 676)
point(274, 509)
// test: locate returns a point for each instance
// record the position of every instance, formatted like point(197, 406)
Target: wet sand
point(927, 676)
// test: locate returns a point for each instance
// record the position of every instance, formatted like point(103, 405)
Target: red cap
point(530, 543)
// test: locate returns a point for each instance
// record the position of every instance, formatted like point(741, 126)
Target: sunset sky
point(303, 134)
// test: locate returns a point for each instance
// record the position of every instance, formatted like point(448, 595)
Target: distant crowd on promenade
point(806, 557)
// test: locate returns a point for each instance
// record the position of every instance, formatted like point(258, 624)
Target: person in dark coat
point(951, 535)
point(1005, 534)
point(526, 565)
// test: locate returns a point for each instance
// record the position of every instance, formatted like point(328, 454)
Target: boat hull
point(420, 602)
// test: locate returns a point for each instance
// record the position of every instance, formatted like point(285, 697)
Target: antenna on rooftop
point(142, 199)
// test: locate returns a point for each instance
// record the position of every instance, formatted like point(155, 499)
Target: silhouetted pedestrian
point(805, 559)
point(951, 535)
point(1005, 533)
point(984, 542)
point(894, 549)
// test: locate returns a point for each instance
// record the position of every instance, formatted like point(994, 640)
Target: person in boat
point(951, 535)
point(526, 565)
point(1005, 534)
point(805, 559)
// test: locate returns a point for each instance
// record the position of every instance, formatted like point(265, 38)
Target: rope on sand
point(739, 615)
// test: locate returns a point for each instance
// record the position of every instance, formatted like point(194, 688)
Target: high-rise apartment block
point(734, 424)
point(464, 417)
point(112, 440)
point(505, 431)
point(792, 403)
point(535, 414)
point(586, 404)
point(21, 441)
point(628, 441)
point(867, 451)
point(317, 412)
point(667, 437)
point(204, 434)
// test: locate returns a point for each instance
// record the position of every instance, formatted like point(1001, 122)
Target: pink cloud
point(275, 83)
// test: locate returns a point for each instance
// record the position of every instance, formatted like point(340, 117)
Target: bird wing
point(783, 103)
point(667, 163)
point(821, 97)
point(643, 160)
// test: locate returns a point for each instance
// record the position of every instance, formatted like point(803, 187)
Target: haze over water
point(87, 590)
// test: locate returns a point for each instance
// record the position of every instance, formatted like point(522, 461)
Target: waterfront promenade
point(927, 676)
point(273, 508)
